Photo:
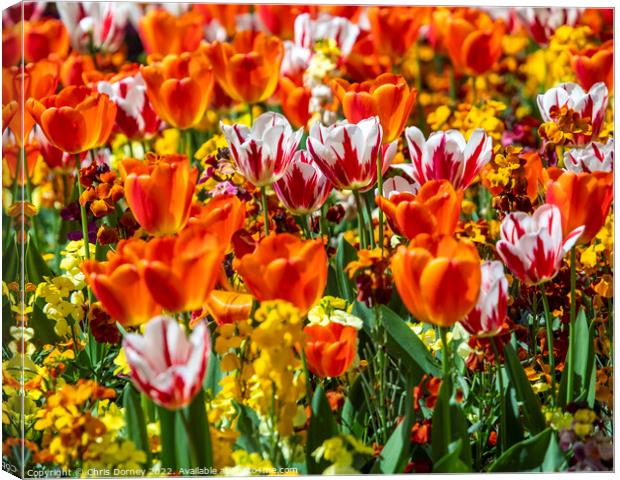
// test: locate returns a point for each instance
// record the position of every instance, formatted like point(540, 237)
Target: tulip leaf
point(199, 433)
point(322, 427)
point(584, 357)
point(213, 376)
point(451, 462)
point(167, 426)
point(345, 254)
point(35, 266)
point(534, 418)
point(247, 426)
point(10, 261)
point(514, 430)
point(540, 453)
point(135, 421)
point(42, 325)
point(403, 343)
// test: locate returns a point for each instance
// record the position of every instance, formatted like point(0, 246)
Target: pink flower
point(590, 105)
point(542, 23)
point(446, 156)
point(135, 116)
point(596, 157)
point(263, 153)
point(532, 246)
point(347, 152)
point(165, 365)
point(303, 188)
point(487, 317)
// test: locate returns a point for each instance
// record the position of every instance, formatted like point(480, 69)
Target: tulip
point(264, 152)
point(365, 61)
point(284, 267)
point(280, 19)
point(135, 117)
point(76, 119)
point(388, 97)
point(596, 157)
point(180, 272)
point(595, 64)
point(399, 184)
point(11, 45)
point(330, 349)
point(75, 68)
point(229, 307)
point(159, 191)
point(532, 247)
point(11, 156)
point(438, 278)
point(225, 15)
point(162, 33)
point(570, 96)
point(308, 31)
point(222, 215)
point(119, 285)
point(295, 102)
point(347, 153)
point(165, 365)
point(394, 29)
point(303, 189)
point(434, 210)
point(542, 23)
point(248, 69)
point(445, 155)
point(8, 113)
point(179, 88)
point(45, 37)
point(487, 317)
point(582, 199)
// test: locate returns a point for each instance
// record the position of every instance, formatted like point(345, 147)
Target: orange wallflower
point(159, 191)
point(395, 29)
point(583, 199)
point(295, 102)
point(248, 69)
point(286, 268)
point(179, 88)
point(73, 68)
point(44, 37)
point(76, 119)
point(474, 42)
point(229, 307)
point(388, 97)
point(438, 278)
point(181, 271)
point(223, 215)
point(163, 33)
point(330, 349)
point(434, 210)
point(595, 64)
point(119, 284)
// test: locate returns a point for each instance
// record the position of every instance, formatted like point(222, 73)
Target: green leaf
point(514, 430)
point(451, 462)
point(403, 343)
point(534, 418)
point(332, 288)
point(35, 266)
point(584, 357)
point(345, 254)
point(199, 432)
point(322, 426)
point(135, 421)
point(10, 261)
point(540, 453)
point(213, 376)
point(43, 327)
point(167, 426)
point(247, 426)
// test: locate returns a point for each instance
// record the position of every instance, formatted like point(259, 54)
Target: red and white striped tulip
point(588, 105)
point(263, 154)
point(532, 247)
point(487, 317)
point(596, 157)
point(303, 189)
point(135, 117)
point(542, 22)
point(165, 364)
point(347, 152)
point(447, 156)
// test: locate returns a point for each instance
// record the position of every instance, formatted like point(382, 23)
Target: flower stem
point(380, 186)
point(188, 144)
point(263, 197)
point(82, 211)
point(303, 219)
point(360, 219)
point(549, 323)
point(452, 83)
point(445, 362)
point(502, 404)
point(251, 114)
point(571, 329)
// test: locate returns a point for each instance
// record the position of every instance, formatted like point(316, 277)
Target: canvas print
point(254, 239)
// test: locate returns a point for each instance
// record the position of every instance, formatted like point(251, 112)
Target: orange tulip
point(295, 102)
point(286, 268)
point(248, 69)
point(474, 44)
point(159, 191)
point(11, 45)
point(179, 88)
point(45, 37)
point(330, 349)
point(75, 120)
point(229, 307)
point(280, 19)
point(181, 271)
point(34, 80)
point(438, 278)
point(8, 113)
point(364, 61)
point(388, 96)
point(119, 284)
point(434, 210)
point(583, 199)
point(10, 155)
point(395, 29)
point(163, 33)
point(73, 68)
point(223, 215)
point(226, 14)
point(594, 65)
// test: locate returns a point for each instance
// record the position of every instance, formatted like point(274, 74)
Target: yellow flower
point(168, 142)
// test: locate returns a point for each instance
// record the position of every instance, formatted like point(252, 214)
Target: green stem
point(571, 331)
point(188, 144)
point(322, 223)
point(360, 219)
point(84, 224)
point(251, 113)
point(549, 324)
point(452, 84)
point(371, 232)
point(309, 393)
point(190, 441)
point(502, 404)
point(263, 197)
point(380, 185)
point(303, 219)
point(131, 152)
point(445, 362)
